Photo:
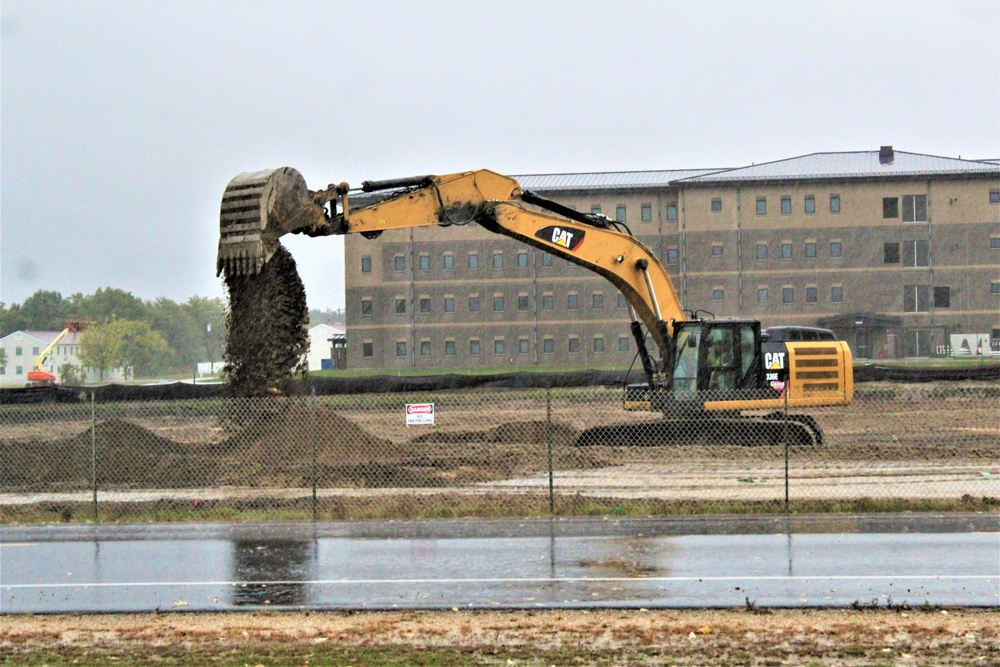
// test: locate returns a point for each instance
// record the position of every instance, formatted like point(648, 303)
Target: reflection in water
point(285, 563)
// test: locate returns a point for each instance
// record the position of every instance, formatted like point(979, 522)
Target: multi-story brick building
point(893, 250)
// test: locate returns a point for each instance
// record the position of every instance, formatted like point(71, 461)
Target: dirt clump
point(266, 337)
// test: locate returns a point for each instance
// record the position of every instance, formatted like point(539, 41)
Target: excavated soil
point(266, 328)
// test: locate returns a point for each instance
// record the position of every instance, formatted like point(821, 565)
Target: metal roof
point(610, 180)
point(45, 336)
point(859, 164)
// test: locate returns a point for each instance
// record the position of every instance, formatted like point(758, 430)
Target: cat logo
point(774, 360)
point(571, 239)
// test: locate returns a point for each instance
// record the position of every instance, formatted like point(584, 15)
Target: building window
point(834, 203)
point(994, 289)
point(762, 295)
point(942, 297)
point(672, 212)
point(473, 260)
point(523, 346)
point(890, 253)
point(761, 205)
point(620, 213)
point(598, 344)
point(449, 304)
point(597, 301)
point(400, 348)
point(425, 262)
point(718, 294)
point(474, 346)
point(995, 196)
point(366, 265)
point(915, 298)
point(716, 204)
point(400, 306)
point(810, 206)
point(497, 303)
point(499, 346)
point(19, 370)
point(716, 250)
point(786, 205)
point(425, 304)
point(835, 249)
point(522, 259)
point(366, 307)
point(786, 250)
point(890, 207)
point(647, 213)
point(572, 301)
point(498, 260)
point(917, 254)
point(548, 302)
point(623, 344)
point(546, 259)
point(812, 295)
point(672, 255)
point(449, 348)
point(367, 350)
point(35, 351)
point(622, 301)
point(473, 303)
point(914, 208)
point(399, 262)
point(836, 294)
point(523, 302)
point(761, 251)
point(449, 261)
point(548, 345)
point(595, 209)
point(787, 295)
point(995, 243)
point(574, 345)
point(425, 348)
point(18, 351)
point(810, 250)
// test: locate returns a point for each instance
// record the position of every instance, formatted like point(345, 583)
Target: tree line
point(144, 338)
point(141, 337)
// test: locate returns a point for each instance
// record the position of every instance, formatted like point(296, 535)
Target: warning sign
point(419, 413)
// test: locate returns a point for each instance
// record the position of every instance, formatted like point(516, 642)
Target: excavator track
point(743, 431)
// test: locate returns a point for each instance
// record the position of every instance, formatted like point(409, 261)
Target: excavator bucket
point(257, 209)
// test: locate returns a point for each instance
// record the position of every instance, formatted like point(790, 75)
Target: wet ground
point(806, 561)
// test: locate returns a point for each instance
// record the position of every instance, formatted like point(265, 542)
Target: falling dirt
point(266, 328)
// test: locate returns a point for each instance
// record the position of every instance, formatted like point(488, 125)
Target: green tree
point(100, 349)
point(44, 311)
point(3, 357)
point(132, 346)
point(11, 319)
point(112, 303)
point(209, 316)
point(177, 326)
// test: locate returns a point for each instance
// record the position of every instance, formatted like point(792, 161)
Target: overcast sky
point(122, 122)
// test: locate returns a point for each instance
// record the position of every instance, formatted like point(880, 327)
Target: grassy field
point(864, 635)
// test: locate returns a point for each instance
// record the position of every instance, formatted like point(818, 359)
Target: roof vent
point(886, 155)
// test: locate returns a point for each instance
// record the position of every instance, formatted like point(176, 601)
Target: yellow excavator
point(713, 375)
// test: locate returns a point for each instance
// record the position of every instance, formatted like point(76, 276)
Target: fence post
point(93, 451)
point(784, 428)
point(312, 438)
point(548, 442)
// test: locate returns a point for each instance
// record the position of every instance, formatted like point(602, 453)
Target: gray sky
point(122, 122)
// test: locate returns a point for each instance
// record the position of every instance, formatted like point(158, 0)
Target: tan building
point(895, 251)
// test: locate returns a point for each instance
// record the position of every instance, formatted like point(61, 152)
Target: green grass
point(454, 506)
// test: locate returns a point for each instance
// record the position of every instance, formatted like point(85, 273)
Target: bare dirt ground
point(816, 638)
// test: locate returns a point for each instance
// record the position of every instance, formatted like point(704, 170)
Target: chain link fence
point(488, 453)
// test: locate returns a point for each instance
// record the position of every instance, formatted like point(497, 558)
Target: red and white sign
point(419, 413)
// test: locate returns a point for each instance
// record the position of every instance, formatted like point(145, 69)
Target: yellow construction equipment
point(710, 372)
point(38, 376)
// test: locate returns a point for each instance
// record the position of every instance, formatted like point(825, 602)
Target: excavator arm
point(260, 207)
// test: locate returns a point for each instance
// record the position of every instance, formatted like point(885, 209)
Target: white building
point(22, 347)
point(321, 337)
